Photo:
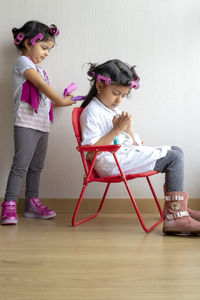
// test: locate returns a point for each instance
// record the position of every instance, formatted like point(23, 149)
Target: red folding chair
point(91, 176)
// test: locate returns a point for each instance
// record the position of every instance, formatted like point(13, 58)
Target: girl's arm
point(34, 77)
point(120, 123)
point(105, 140)
point(129, 130)
point(131, 133)
point(108, 138)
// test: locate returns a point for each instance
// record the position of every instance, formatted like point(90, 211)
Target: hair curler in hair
point(55, 31)
point(38, 36)
point(19, 38)
point(105, 78)
point(133, 84)
point(91, 74)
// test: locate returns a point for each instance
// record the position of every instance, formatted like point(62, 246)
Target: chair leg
point(137, 210)
point(74, 223)
point(155, 198)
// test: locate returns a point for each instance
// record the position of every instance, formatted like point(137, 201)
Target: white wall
point(161, 37)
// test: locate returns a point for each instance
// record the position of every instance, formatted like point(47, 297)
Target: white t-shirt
point(96, 122)
point(25, 115)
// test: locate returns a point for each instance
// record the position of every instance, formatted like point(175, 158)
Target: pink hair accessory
point(134, 84)
point(55, 31)
point(19, 38)
point(91, 74)
point(101, 77)
point(38, 36)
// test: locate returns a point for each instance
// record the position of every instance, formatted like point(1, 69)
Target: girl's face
point(38, 52)
point(111, 95)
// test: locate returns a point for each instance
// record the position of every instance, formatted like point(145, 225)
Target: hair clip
point(19, 38)
point(134, 84)
point(38, 36)
point(54, 30)
point(101, 77)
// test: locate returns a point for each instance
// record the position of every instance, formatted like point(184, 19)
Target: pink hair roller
point(38, 36)
point(101, 77)
point(19, 38)
point(55, 31)
point(134, 84)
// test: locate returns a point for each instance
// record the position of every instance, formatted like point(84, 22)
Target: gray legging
point(173, 167)
point(30, 152)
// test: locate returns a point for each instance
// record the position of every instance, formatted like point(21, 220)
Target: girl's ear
point(99, 86)
point(26, 44)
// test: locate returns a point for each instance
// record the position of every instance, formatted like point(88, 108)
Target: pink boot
point(176, 216)
point(9, 213)
point(194, 214)
point(35, 209)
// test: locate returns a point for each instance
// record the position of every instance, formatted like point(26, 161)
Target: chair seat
point(118, 178)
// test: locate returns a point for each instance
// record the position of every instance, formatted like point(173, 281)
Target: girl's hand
point(68, 100)
point(122, 122)
point(129, 128)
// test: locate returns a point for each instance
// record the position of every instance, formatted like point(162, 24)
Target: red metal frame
point(91, 176)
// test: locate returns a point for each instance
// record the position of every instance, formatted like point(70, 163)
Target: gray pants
point(173, 167)
point(30, 152)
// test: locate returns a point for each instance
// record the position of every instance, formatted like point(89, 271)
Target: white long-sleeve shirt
point(96, 122)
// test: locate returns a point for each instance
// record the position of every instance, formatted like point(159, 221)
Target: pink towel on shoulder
point(30, 94)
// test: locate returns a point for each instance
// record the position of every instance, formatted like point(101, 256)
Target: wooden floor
point(108, 258)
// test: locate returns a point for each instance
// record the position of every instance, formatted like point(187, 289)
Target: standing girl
point(101, 121)
point(33, 113)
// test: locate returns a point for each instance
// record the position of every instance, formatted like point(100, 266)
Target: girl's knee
point(178, 150)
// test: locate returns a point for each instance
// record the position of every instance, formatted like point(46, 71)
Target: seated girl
point(101, 121)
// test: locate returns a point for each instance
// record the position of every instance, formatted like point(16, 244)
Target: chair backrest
point(76, 113)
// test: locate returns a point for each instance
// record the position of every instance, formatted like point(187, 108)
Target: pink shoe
point(194, 214)
point(35, 209)
point(9, 213)
point(176, 217)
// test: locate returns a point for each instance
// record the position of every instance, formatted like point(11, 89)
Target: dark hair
point(118, 71)
point(30, 29)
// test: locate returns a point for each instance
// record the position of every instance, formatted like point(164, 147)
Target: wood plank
point(108, 258)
